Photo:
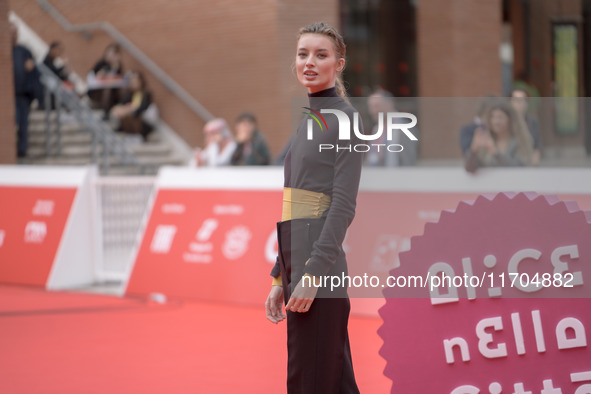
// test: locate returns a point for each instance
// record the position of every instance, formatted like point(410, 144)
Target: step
point(64, 128)
point(151, 149)
point(155, 136)
point(39, 116)
point(77, 150)
point(81, 138)
point(58, 161)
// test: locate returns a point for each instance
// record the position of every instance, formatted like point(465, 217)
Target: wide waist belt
point(303, 204)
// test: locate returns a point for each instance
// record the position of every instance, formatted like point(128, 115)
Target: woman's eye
point(302, 54)
point(321, 55)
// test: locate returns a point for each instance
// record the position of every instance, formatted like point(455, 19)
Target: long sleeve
point(335, 172)
point(345, 185)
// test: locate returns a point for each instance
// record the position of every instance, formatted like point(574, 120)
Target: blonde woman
point(318, 206)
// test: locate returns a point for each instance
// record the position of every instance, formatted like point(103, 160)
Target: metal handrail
point(101, 132)
point(134, 51)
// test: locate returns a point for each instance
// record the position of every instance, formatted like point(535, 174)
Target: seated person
point(107, 70)
point(133, 105)
point(252, 148)
point(502, 141)
point(219, 145)
point(56, 50)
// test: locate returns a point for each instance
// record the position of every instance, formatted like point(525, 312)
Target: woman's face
point(499, 122)
point(316, 62)
point(111, 55)
point(244, 131)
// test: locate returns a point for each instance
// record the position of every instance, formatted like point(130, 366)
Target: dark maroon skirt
point(319, 356)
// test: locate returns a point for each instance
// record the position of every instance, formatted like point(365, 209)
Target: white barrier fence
point(75, 228)
point(121, 203)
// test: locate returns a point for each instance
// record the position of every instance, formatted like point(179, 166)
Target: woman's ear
point(340, 65)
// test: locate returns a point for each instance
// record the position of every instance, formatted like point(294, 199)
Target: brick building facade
point(234, 56)
point(7, 111)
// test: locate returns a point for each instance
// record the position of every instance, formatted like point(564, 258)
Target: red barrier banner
point(32, 223)
point(209, 244)
point(199, 217)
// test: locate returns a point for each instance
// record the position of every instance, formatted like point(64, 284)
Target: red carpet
point(65, 342)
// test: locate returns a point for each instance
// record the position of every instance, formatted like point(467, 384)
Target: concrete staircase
point(76, 147)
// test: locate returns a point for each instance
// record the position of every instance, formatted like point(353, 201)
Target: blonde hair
point(339, 46)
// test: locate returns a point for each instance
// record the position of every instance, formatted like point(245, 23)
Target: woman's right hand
point(482, 139)
point(274, 305)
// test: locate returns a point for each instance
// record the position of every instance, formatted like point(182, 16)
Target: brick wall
point(7, 120)
point(230, 55)
point(458, 56)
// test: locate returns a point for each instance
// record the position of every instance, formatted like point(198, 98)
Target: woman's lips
point(310, 75)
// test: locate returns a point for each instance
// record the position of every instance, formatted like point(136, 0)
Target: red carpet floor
point(66, 342)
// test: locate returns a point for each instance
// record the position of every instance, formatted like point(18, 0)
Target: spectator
point(56, 50)
point(383, 101)
point(252, 148)
point(219, 145)
point(130, 110)
point(503, 141)
point(467, 131)
point(519, 101)
point(26, 89)
point(107, 75)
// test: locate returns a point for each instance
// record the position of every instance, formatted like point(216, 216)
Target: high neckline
point(330, 92)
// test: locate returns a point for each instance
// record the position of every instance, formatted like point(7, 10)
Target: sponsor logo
point(162, 239)
point(236, 242)
point(35, 232)
point(201, 249)
point(43, 208)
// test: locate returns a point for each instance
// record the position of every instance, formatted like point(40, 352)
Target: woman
point(219, 145)
point(318, 205)
point(107, 70)
point(251, 149)
point(129, 112)
point(503, 141)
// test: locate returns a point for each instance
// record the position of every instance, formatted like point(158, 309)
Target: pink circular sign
point(500, 301)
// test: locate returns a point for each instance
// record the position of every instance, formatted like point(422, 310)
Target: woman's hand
point(274, 305)
point(302, 297)
point(483, 140)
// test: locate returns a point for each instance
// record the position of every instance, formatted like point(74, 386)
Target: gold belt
point(303, 204)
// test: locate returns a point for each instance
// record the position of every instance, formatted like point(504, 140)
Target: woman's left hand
point(302, 297)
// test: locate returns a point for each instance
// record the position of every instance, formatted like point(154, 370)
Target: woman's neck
point(502, 141)
point(328, 92)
